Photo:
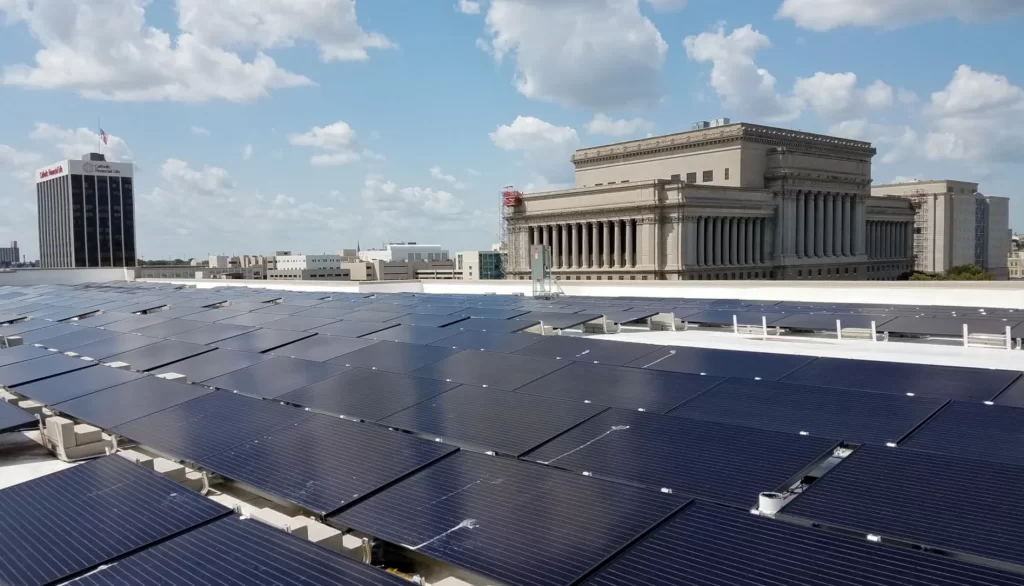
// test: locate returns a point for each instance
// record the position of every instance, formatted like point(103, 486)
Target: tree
point(957, 273)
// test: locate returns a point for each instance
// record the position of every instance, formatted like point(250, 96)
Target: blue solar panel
point(70, 521)
point(281, 309)
point(723, 317)
point(117, 405)
point(236, 551)
point(80, 336)
point(841, 414)
point(560, 321)
point(412, 334)
point(927, 380)
point(482, 324)
point(721, 463)
point(135, 323)
point(160, 354)
point(947, 326)
point(12, 418)
point(707, 545)
point(298, 324)
point(21, 328)
point(213, 364)
point(1013, 396)
point(169, 328)
point(509, 521)
point(215, 315)
point(366, 394)
point(21, 354)
point(447, 310)
point(827, 321)
point(176, 312)
point(263, 340)
point(76, 384)
point(44, 334)
point(395, 356)
point(275, 377)
point(492, 313)
point(322, 348)
point(210, 424)
point(354, 329)
point(211, 333)
point(490, 341)
point(323, 463)
point(588, 349)
point(754, 365)
point(119, 344)
point(429, 320)
point(898, 493)
point(499, 421)
point(490, 369)
point(251, 319)
point(364, 315)
point(973, 430)
point(39, 369)
point(323, 313)
point(620, 386)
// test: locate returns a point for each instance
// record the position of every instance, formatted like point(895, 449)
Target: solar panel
point(135, 323)
point(373, 316)
point(366, 394)
point(509, 521)
point(22, 327)
point(210, 333)
point(448, 310)
point(251, 319)
point(894, 493)
point(107, 317)
point(841, 414)
point(324, 313)
point(213, 364)
point(21, 354)
point(754, 365)
point(483, 324)
point(492, 313)
point(947, 326)
point(31, 371)
point(209, 425)
point(177, 312)
point(827, 321)
point(973, 430)
point(353, 329)
point(160, 354)
point(298, 324)
point(723, 317)
point(720, 463)
point(343, 305)
point(588, 349)
point(76, 384)
point(71, 521)
point(430, 320)
point(236, 551)
point(119, 344)
point(620, 386)
point(140, 307)
point(491, 341)
point(275, 377)
point(169, 328)
point(13, 419)
point(708, 545)
point(395, 356)
point(560, 321)
point(43, 334)
point(322, 348)
point(80, 337)
point(116, 405)
point(944, 382)
point(247, 305)
point(492, 420)
point(490, 369)
point(1013, 396)
point(263, 340)
point(281, 309)
point(215, 315)
point(412, 334)
point(323, 463)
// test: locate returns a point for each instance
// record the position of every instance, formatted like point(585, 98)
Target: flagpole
point(99, 137)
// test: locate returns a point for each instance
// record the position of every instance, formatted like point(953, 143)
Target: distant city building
point(319, 274)
point(254, 273)
point(478, 265)
point(301, 262)
point(349, 254)
point(1015, 260)
point(10, 255)
point(405, 251)
point(956, 225)
point(86, 213)
point(218, 261)
point(403, 270)
point(723, 201)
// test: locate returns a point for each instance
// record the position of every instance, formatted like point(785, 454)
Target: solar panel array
point(433, 422)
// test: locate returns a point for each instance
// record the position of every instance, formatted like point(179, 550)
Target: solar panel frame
point(753, 365)
point(76, 384)
point(324, 463)
point(560, 321)
point(138, 322)
point(430, 320)
point(483, 324)
point(281, 309)
point(107, 317)
point(322, 348)
point(620, 386)
point(211, 333)
point(587, 349)
point(852, 496)
point(106, 508)
point(161, 354)
point(490, 369)
point(14, 419)
point(23, 327)
point(298, 324)
point(41, 335)
point(275, 377)
point(411, 334)
point(398, 357)
point(491, 420)
point(251, 319)
point(80, 337)
point(177, 312)
point(114, 345)
point(369, 395)
point(947, 326)
point(364, 315)
point(169, 328)
point(324, 313)
point(118, 405)
point(216, 315)
point(492, 313)
point(973, 430)
point(262, 340)
point(489, 341)
point(354, 329)
point(711, 461)
point(30, 371)
point(20, 354)
point(507, 520)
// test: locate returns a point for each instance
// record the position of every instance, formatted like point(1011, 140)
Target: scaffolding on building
point(510, 198)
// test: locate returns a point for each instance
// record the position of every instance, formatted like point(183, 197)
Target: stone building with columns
point(736, 201)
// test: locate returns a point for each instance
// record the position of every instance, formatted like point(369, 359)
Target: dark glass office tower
point(86, 214)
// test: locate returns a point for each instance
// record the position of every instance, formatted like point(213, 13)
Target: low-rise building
point(476, 265)
point(405, 251)
point(302, 262)
point(321, 274)
point(10, 255)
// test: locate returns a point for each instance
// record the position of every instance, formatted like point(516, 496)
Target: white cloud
point(667, 5)
point(736, 78)
point(906, 97)
point(894, 143)
point(103, 49)
point(468, 7)
point(602, 124)
point(200, 131)
point(473, 172)
point(836, 95)
point(72, 144)
point(207, 181)
point(878, 95)
point(330, 24)
point(440, 175)
point(336, 141)
point(591, 53)
point(247, 152)
point(823, 15)
point(11, 158)
point(394, 207)
point(545, 146)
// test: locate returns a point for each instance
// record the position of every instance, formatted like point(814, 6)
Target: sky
point(314, 125)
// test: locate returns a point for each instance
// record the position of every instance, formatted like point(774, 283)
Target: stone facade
point(732, 202)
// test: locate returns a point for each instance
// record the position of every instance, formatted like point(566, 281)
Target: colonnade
point(828, 225)
point(890, 239)
point(598, 244)
point(732, 241)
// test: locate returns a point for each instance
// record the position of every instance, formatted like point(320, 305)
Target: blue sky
point(314, 124)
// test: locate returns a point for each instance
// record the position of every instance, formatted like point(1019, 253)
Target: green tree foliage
point(957, 273)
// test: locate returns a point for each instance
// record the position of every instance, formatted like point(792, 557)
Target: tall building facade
point(954, 224)
point(724, 201)
point(10, 255)
point(86, 213)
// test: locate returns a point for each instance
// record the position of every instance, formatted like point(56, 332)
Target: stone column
point(837, 225)
point(709, 242)
point(606, 248)
point(574, 246)
point(847, 227)
point(690, 232)
point(732, 243)
point(741, 240)
point(585, 245)
point(758, 244)
point(716, 243)
point(563, 252)
point(556, 262)
point(701, 241)
point(819, 225)
point(618, 244)
point(828, 226)
point(870, 239)
point(630, 260)
point(810, 227)
point(801, 224)
point(787, 227)
point(544, 236)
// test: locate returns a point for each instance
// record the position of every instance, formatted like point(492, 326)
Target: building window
point(643, 278)
point(727, 173)
point(632, 278)
point(709, 176)
point(676, 177)
point(799, 273)
point(691, 177)
point(622, 278)
point(588, 277)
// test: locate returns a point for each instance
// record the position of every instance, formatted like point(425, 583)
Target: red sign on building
point(51, 172)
